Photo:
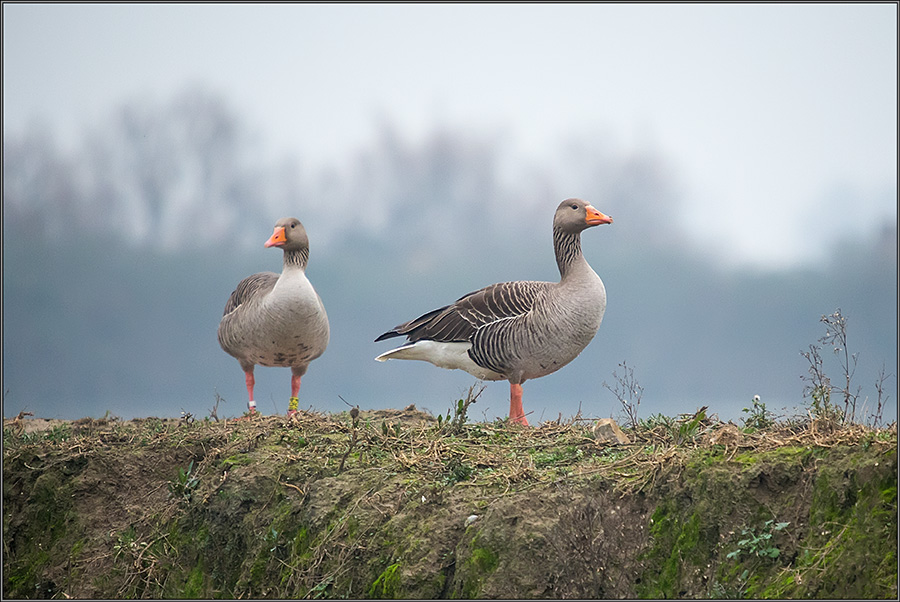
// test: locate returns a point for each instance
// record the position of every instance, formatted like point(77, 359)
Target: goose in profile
point(520, 330)
point(277, 320)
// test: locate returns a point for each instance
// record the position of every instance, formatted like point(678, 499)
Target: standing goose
point(277, 320)
point(517, 330)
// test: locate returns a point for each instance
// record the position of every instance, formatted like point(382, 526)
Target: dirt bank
point(399, 505)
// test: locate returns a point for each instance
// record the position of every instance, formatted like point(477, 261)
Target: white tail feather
point(400, 353)
point(452, 356)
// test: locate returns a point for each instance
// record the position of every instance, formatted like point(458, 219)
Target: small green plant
point(653, 421)
point(271, 537)
point(557, 457)
point(460, 416)
point(610, 455)
point(689, 428)
point(738, 591)
point(680, 430)
point(759, 544)
point(59, 433)
point(758, 417)
point(183, 486)
point(390, 429)
point(457, 471)
point(321, 589)
point(125, 541)
point(155, 426)
point(760, 547)
point(387, 585)
point(15, 435)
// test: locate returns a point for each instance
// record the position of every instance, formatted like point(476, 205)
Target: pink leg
point(251, 382)
point(516, 412)
point(295, 389)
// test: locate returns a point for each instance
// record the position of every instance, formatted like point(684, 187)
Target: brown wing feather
point(248, 287)
point(460, 321)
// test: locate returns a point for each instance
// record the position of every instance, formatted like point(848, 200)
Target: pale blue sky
point(762, 111)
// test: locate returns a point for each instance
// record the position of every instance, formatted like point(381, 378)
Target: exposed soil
point(399, 504)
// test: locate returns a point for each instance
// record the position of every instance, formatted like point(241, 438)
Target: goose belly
point(547, 358)
point(276, 333)
point(292, 335)
point(545, 347)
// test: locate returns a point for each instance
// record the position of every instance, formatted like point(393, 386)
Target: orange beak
point(595, 218)
point(277, 239)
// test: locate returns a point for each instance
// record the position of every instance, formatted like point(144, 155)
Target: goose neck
point(296, 259)
point(567, 246)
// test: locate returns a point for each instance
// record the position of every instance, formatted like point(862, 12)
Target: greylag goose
point(277, 320)
point(516, 331)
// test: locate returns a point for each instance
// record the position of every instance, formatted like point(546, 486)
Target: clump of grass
point(678, 431)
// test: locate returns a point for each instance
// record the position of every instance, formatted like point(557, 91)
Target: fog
point(120, 252)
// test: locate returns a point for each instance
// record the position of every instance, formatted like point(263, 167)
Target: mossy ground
point(400, 506)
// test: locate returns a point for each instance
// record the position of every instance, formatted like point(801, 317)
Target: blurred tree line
point(119, 256)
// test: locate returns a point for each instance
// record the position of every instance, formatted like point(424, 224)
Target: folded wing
point(461, 320)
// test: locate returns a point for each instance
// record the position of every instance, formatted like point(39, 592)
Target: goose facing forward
point(277, 320)
point(521, 330)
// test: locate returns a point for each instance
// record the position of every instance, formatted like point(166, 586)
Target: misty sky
point(779, 122)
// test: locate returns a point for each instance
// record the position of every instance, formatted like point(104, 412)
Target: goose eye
point(573, 206)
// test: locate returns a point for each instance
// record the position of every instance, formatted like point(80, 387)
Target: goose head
point(289, 234)
point(574, 215)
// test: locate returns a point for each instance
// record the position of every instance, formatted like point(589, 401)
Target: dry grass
point(415, 441)
point(487, 461)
